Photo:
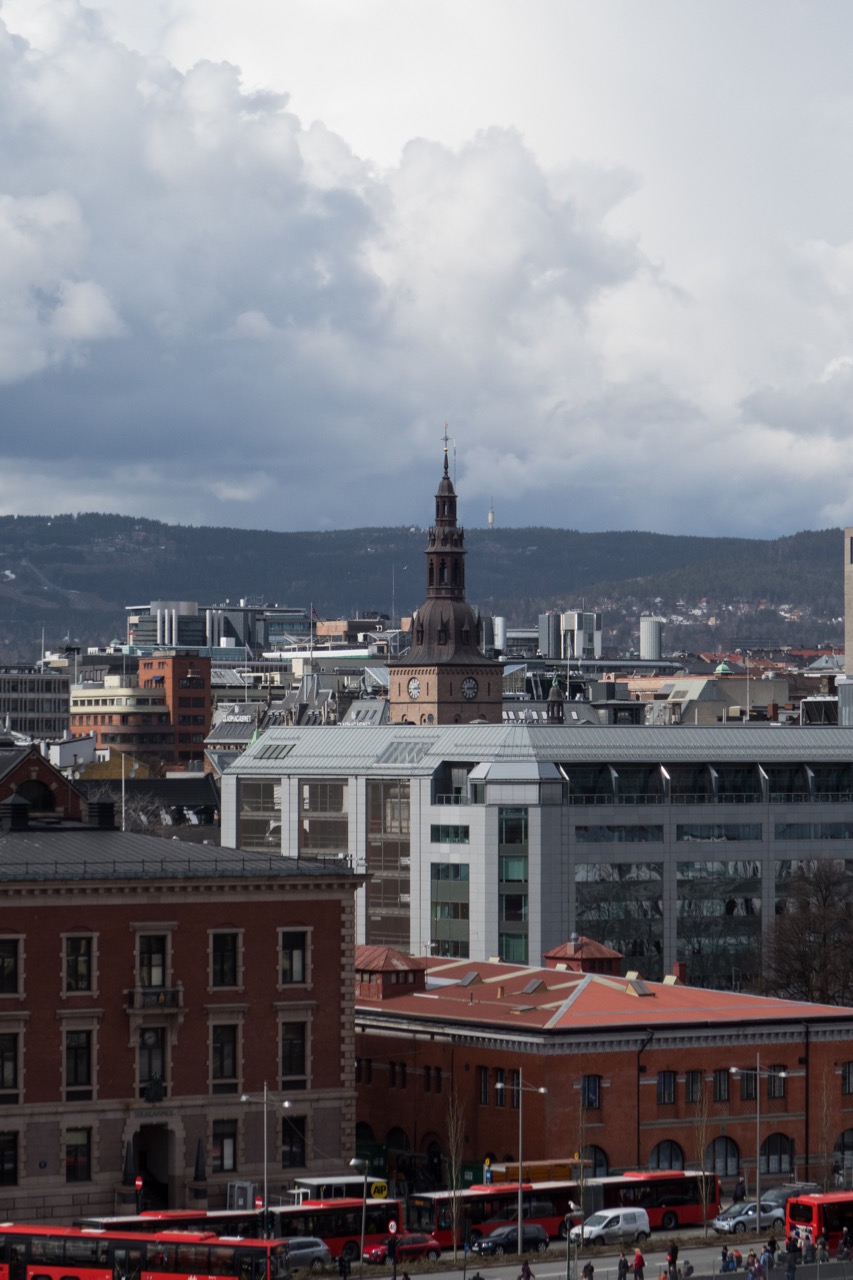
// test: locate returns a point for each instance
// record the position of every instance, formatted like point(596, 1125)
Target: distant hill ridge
point(75, 573)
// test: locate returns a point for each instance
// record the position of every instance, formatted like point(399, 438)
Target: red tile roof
point(496, 993)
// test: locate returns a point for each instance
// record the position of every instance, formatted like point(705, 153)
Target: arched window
point(666, 1155)
point(363, 1134)
point(397, 1142)
point(777, 1154)
point(722, 1157)
point(38, 794)
point(596, 1161)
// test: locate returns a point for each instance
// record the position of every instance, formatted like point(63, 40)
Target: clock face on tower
point(414, 687)
point(469, 687)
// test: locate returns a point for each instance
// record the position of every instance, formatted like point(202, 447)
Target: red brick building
point(146, 986)
point(163, 713)
point(637, 1074)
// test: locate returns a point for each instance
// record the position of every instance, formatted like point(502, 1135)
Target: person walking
point(792, 1257)
point(639, 1267)
point(622, 1266)
point(527, 1271)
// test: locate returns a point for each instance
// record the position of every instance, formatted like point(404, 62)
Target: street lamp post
point(736, 1071)
point(356, 1163)
point(265, 1098)
point(530, 1089)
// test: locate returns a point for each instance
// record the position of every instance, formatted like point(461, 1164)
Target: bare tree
point(809, 956)
point(143, 812)
point(701, 1130)
point(826, 1152)
point(455, 1146)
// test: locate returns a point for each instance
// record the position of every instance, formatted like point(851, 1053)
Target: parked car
point(410, 1244)
point(534, 1239)
point(742, 1217)
point(781, 1195)
point(308, 1251)
point(613, 1226)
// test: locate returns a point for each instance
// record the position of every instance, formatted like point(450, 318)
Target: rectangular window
point(515, 1089)
point(152, 1063)
point(224, 1059)
point(847, 1078)
point(483, 1085)
point(591, 1093)
point(693, 1086)
point(78, 1066)
point(152, 960)
point(223, 1156)
point(427, 1079)
point(8, 1067)
point(445, 834)
point(8, 1159)
point(500, 1087)
point(402, 1074)
point(78, 963)
point(776, 1082)
point(293, 1143)
point(666, 1088)
point(78, 1155)
point(747, 1086)
point(437, 1079)
point(9, 966)
point(721, 1085)
point(293, 1055)
point(224, 960)
point(293, 949)
point(512, 826)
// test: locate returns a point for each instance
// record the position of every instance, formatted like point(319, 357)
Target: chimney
point(102, 815)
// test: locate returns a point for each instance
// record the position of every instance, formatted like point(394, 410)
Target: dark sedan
point(534, 1239)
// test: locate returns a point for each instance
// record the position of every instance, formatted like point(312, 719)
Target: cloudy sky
point(255, 254)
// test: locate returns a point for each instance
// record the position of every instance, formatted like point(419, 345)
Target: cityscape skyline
point(612, 254)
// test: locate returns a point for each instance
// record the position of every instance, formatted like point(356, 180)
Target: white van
point(613, 1226)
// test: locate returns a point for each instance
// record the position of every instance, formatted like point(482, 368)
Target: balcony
point(155, 998)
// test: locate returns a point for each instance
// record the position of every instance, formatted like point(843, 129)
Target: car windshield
point(597, 1220)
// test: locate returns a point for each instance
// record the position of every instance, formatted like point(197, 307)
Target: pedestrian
point(792, 1257)
point(772, 1246)
point(672, 1260)
point(588, 1270)
point(844, 1247)
point(822, 1250)
point(639, 1266)
point(724, 1258)
point(527, 1271)
point(687, 1269)
point(739, 1192)
point(622, 1266)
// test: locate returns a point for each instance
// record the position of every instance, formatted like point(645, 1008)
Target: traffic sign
point(138, 1182)
point(392, 1227)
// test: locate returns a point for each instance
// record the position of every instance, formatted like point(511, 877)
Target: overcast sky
point(255, 253)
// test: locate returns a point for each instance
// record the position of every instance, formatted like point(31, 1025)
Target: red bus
point(338, 1222)
point(825, 1214)
point(77, 1253)
point(484, 1208)
point(671, 1197)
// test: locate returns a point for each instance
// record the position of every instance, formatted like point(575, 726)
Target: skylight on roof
point(403, 753)
point(273, 750)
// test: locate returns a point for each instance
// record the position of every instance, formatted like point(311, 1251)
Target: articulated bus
point(824, 1214)
point(338, 1222)
point(672, 1198)
point(77, 1253)
point(484, 1208)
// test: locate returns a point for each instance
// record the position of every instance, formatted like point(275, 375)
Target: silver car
point(739, 1218)
point(308, 1251)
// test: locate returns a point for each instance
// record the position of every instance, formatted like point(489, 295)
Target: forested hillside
point(73, 575)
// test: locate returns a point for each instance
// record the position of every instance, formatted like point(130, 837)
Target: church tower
point(445, 678)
